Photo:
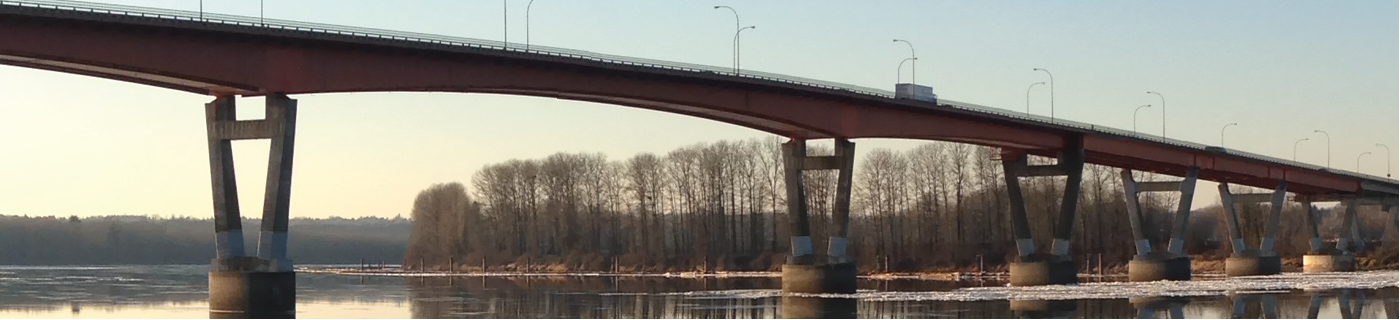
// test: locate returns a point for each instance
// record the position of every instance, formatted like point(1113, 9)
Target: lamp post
point(1052, 92)
point(1164, 112)
point(505, 25)
point(1329, 146)
point(1295, 148)
point(736, 47)
point(1387, 159)
point(1028, 95)
point(1358, 160)
point(201, 9)
point(898, 71)
point(913, 66)
point(1135, 111)
point(734, 51)
point(527, 24)
point(1222, 132)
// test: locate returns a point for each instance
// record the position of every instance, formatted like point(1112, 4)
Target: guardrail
point(206, 17)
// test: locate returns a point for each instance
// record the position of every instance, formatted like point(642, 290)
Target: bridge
point(229, 56)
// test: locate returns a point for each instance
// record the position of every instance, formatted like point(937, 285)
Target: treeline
point(721, 206)
point(113, 240)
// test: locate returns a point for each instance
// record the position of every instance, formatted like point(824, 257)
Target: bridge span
point(228, 56)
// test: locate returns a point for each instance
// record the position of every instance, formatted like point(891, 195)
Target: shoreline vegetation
point(722, 206)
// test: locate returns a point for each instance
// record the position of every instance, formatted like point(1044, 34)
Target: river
point(181, 292)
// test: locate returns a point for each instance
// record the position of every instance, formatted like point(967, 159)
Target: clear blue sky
point(84, 146)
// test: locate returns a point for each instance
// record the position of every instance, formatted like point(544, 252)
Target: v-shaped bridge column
point(1172, 264)
point(806, 271)
point(1250, 262)
point(242, 286)
point(1029, 268)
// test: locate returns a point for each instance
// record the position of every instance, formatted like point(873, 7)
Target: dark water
point(180, 292)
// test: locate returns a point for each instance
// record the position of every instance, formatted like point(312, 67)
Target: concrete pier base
point(820, 278)
point(268, 295)
point(818, 308)
point(1252, 263)
point(1159, 266)
point(1313, 263)
point(1039, 270)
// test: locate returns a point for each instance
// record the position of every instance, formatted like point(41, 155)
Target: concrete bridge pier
point(1031, 268)
point(806, 271)
point(241, 286)
point(1249, 262)
point(1339, 259)
point(1172, 264)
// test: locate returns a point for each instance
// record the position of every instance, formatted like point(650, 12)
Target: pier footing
point(1159, 266)
point(267, 295)
point(820, 278)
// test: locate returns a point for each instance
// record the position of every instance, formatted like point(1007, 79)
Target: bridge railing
point(206, 17)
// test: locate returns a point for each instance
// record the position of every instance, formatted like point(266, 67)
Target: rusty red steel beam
point(238, 62)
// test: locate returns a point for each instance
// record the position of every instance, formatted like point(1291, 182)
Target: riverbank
point(1201, 266)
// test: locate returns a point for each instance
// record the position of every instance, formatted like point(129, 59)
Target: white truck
point(915, 92)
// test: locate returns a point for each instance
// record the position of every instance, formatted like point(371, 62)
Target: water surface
point(181, 292)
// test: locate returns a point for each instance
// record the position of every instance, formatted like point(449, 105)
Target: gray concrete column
point(228, 225)
point(1019, 223)
point(1356, 237)
point(1130, 197)
point(1271, 229)
point(1232, 220)
point(1183, 212)
point(846, 153)
point(1315, 240)
point(1344, 241)
point(1072, 163)
point(272, 242)
point(794, 156)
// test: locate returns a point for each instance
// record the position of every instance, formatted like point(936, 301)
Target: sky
point(76, 145)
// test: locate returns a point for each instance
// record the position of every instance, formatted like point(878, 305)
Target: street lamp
point(527, 24)
point(505, 25)
point(898, 71)
point(1135, 111)
point(1329, 146)
point(1222, 132)
point(1358, 160)
point(1164, 112)
point(1052, 92)
point(1295, 148)
point(735, 48)
point(1387, 159)
point(913, 70)
point(1028, 95)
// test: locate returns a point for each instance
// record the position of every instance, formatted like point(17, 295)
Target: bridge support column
point(1339, 259)
point(805, 271)
point(1058, 267)
point(1172, 264)
point(1245, 261)
point(241, 286)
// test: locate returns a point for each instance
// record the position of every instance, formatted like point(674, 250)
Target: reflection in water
point(180, 292)
point(1253, 306)
point(818, 308)
point(1147, 308)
